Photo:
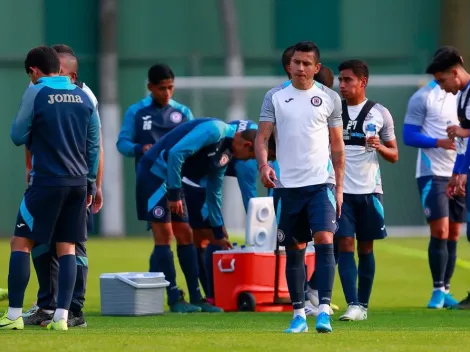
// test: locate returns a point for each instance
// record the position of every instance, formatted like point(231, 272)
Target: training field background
point(398, 319)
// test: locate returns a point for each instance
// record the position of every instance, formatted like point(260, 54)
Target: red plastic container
point(245, 280)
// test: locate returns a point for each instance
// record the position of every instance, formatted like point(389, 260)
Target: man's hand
point(374, 142)
point(268, 175)
point(89, 200)
point(446, 144)
point(176, 207)
point(339, 201)
point(461, 185)
point(224, 243)
point(457, 131)
point(452, 186)
point(98, 204)
point(146, 147)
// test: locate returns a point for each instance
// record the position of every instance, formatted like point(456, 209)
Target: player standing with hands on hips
point(305, 116)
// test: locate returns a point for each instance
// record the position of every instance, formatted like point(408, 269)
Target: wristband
point(262, 166)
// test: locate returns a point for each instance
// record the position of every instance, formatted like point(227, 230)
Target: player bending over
point(61, 126)
point(246, 172)
point(430, 111)
point(304, 116)
point(199, 150)
point(449, 73)
point(44, 256)
point(362, 213)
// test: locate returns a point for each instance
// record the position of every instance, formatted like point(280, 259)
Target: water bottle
point(370, 132)
point(459, 142)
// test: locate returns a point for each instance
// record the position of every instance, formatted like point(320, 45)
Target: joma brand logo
point(64, 98)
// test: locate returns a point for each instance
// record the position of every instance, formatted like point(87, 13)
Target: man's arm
point(214, 201)
point(266, 124)
point(21, 127)
point(125, 143)
point(388, 150)
point(247, 172)
point(202, 135)
point(93, 150)
point(335, 124)
point(99, 176)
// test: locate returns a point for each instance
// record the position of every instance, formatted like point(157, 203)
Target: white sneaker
point(313, 298)
point(310, 309)
point(354, 312)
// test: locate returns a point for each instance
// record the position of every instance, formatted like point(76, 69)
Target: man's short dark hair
point(358, 67)
point(325, 76)
point(307, 47)
point(286, 57)
point(63, 49)
point(444, 58)
point(44, 58)
point(160, 72)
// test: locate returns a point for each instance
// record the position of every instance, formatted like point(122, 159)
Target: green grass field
point(397, 321)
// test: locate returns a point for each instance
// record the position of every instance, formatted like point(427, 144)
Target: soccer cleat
point(3, 294)
point(463, 304)
point(37, 317)
point(437, 299)
point(323, 323)
point(450, 301)
point(353, 313)
point(313, 298)
point(207, 307)
point(75, 320)
point(310, 309)
point(184, 307)
point(297, 325)
point(60, 325)
point(8, 324)
point(31, 310)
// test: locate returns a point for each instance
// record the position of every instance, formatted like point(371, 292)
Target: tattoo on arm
point(265, 131)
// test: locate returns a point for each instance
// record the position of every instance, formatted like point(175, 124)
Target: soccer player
point(324, 76)
point(429, 112)
point(144, 124)
point(362, 213)
point(61, 127)
point(449, 73)
point(199, 150)
point(303, 116)
point(246, 172)
point(44, 256)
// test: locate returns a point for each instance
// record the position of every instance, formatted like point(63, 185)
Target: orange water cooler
point(247, 279)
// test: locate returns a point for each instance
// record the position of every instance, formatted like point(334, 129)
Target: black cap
point(443, 59)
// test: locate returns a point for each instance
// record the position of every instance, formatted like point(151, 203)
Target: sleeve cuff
point(175, 194)
point(138, 149)
point(218, 232)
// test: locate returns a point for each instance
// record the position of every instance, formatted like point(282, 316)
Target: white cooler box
point(132, 294)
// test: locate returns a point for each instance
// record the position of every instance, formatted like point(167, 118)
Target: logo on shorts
point(280, 236)
point(316, 101)
point(158, 212)
point(224, 159)
point(427, 212)
point(176, 117)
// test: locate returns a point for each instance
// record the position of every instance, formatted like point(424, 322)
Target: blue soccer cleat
point(323, 323)
point(450, 301)
point(437, 299)
point(297, 325)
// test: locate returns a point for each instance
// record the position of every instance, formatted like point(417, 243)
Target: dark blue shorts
point(197, 208)
point(152, 201)
point(362, 215)
point(436, 204)
point(305, 211)
point(53, 214)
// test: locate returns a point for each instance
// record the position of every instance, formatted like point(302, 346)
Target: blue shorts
point(305, 211)
point(197, 207)
point(152, 201)
point(436, 204)
point(362, 215)
point(53, 214)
